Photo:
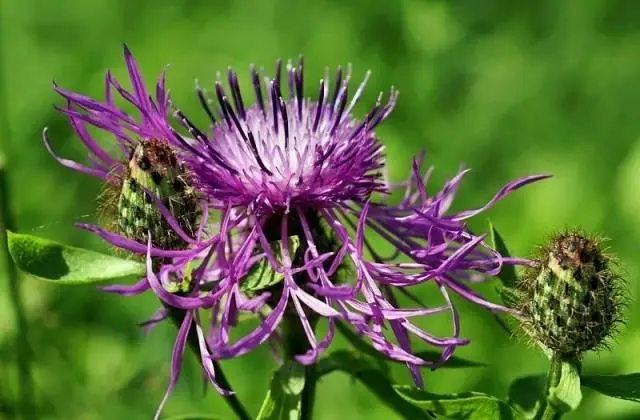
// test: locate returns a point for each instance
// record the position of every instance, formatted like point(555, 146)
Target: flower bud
point(571, 300)
point(154, 169)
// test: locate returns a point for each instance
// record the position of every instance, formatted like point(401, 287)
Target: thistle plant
point(268, 213)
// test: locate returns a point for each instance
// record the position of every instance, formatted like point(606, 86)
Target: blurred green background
point(507, 88)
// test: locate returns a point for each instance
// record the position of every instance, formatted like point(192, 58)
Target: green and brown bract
point(571, 301)
point(154, 169)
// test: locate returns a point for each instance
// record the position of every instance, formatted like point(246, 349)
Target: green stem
point(232, 400)
point(308, 394)
point(23, 350)
point(547, 411)
point(294, 341)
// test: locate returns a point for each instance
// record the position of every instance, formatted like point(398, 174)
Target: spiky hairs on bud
point(571, 301)
point(153, 169)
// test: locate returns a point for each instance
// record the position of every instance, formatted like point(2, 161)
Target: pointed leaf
point(566, 396)
point(452, 363)
point(525, 393)
point(468, 405)
point(284, 397)
point(194, 417)
point(63, 264)
point(508, 273)
point(262, 275)
point(367, 371)
point(624, 387)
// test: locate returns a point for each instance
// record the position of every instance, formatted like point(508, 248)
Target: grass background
point(507, 88)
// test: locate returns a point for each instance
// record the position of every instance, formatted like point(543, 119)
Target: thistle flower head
point(283, 152)
point(293, 166)
point(571, 300)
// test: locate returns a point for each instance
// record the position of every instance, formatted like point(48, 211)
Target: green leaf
point(284, 397)
point(62, 264)
point(194, 417)
point(452, 363)
point(508, 273)
point(361, 345)
point(262, 274)
point(525, 394)
point(468, 405)
point(566, 395)
point(367, 371)
point(624, 387)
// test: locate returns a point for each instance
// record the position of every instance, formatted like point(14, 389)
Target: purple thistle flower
point(296, 166)
point(288, 167)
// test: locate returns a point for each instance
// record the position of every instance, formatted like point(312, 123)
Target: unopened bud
point(153, 168)
point(571, 300)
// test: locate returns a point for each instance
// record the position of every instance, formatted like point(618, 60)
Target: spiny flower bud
point(571, 300)
point(154, 169)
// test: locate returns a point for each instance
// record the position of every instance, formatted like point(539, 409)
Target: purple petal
point(506, 190)
point(205, 358)
point(98, 173)
point(312, 355)
point(176, 359)
point(159, 315)
point(139, 287)
point(257, 336)
point(135, 247)
point(176, 301)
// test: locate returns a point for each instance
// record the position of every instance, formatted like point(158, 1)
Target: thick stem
point(308, 394)
point(232, 400)
point(26, 408)
point(294, 341)
point(547, 411)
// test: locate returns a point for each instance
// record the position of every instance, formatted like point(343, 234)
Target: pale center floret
point(290, 154)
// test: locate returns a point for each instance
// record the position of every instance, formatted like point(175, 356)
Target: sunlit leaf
point(262, 274)
point(624, 387)
point(468, 405)
point(284, 397)
point(63, 264)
